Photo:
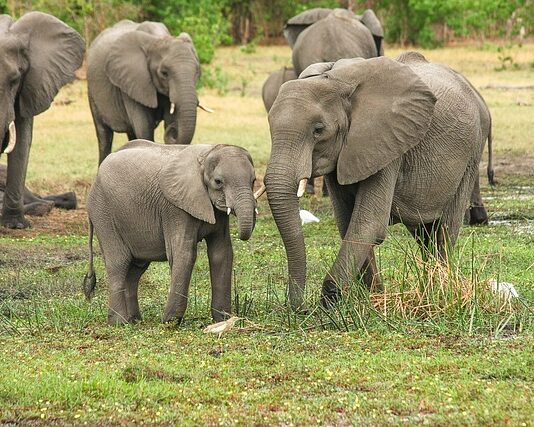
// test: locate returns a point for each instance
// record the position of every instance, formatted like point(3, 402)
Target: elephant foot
point(478, 216)
point(38, 208)
point(176, 320)
point(64, 201)
point(14, 221)
point(219, 315)
point(116, 319)
point(330, 293)
point(89, 285)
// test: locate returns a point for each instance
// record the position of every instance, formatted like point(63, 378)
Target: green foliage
point(3, 6)
point(202, 19)
point(214, 78)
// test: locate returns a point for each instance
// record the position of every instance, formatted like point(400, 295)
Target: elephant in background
point(38, 55)
point(399, 141)
point(323, 35)
point(272, 85)
point(139, 75)
point(153, 202)
point(35, 205)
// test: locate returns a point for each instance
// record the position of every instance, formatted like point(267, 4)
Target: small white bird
point(221, 327)
point(307, 216)
point(506, 290)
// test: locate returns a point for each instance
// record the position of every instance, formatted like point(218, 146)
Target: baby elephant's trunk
point(89, 281)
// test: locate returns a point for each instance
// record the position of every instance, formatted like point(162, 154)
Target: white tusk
point(302, 187)
point(228, 211)
point(172, 108)
point(260, 191)
point(12, 138)
point(206, 109)
point(256, 210)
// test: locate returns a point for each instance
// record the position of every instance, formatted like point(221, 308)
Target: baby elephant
point(153, 202)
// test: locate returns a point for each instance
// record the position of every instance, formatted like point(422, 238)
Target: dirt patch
point(57, 222)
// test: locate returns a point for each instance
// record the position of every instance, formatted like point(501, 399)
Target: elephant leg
point(133, 276)
point(141, 120)
point(182, 258)
point(342, 201)
point(40, 208)
point(220, 257)
point(64, 201)
point(17, 166)
point(367, 228)
point(131, 135)
point(104, 134)
point(118, 291)
point(453, 214)
point(370, 274)
point(477, 212)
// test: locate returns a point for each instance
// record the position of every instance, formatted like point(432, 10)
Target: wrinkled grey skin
point(397, 140)
point(135, 71)
point(272, 85)
point(38, 55)
point(323, 35)
point(36, 205)
point(153, 202)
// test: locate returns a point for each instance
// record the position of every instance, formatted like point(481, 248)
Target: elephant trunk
point(184, 99)
point(282, 196)
point(244, 208)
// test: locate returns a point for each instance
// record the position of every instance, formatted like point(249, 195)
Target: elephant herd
point(397, 141)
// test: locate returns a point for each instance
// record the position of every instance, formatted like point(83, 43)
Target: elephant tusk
point(256, 210)
point(172, 108)
point(260, 191)
point(302, 187)
point(228, 211)
point(12, 138)
point(206, 109)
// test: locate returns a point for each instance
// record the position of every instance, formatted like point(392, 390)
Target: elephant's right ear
point(181, 181)
point(5, 23)
point(391, 111)
point(127, 67)
point(370, 20)
point(300, 22)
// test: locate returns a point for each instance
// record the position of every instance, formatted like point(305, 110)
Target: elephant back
point(333, 38)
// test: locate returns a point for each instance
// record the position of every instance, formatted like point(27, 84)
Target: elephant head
point(159, 72)
point(350, 118)
point(201, 177)
point(38, 55)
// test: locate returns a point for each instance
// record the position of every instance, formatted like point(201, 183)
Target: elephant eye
point(218, 182)
point(164, 73)
point(318, 129)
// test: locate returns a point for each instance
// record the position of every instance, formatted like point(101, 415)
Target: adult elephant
point(272, 85)
point(397, 140)
point(323, 35)
point(139, 75)
point(38, 55)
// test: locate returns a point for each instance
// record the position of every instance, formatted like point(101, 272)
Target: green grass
point(436, 348)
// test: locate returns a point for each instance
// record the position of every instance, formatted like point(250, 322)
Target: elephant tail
point(491, 178)
point(89, 281)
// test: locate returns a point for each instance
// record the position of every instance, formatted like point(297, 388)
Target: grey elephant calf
point(153, 202)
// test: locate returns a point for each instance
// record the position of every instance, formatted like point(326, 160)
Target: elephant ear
point(181, 181)
point(5, 23)
point(391, 110)
point(370, 20)
point(156, 29)
point(55, 51)
point(300, 22)
point(127, 67)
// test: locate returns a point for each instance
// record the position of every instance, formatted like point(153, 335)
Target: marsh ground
point(462, 362)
